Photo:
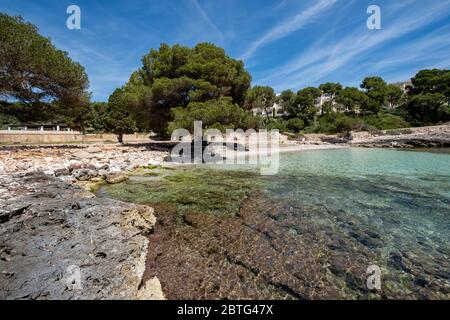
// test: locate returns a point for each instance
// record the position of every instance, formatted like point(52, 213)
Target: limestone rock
point(84, 174)
point(64, 243)
point(62, 172)
point(115, 178)
point(151, 290)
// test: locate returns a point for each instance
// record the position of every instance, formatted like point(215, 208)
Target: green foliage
point(295, 124)
point(98, 111)
point(353, 100)
point(327, 107)
point(427, 109)
point(80, 118)
point(277, 124)
point(386, 121)
point(166, 95)
point(30, 113)
point(428, 100)
point(173, 77)
point(286, 99)
point(116, 118)
point(331, 89)
point(137, 99)
point(304, 105)
point(393, 95)
point(376, 89)
point(33, 71)
point(337, 123)
point(7, 120)
point(432, 81)
point(261, 98)
point(333, 123)
point(89, 118)
point(219, 114)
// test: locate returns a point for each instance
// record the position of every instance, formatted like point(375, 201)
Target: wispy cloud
point(331, 43)
point(435, 45)
point(320, 61)
point(289, 25)
point(281, 4)
point(207, 19)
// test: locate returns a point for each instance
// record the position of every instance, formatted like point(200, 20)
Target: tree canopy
point(332, 89)
point(33, 71)
point(177, 85)
point(212, 113)
point(175, 76)
point(393, 95)
point(116, 118)
point(376, 88)
point(353, 100)
point(431, 81)
point(304, 105)
point(427, 109)
point(261, 98)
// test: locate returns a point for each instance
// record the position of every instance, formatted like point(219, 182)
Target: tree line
point(177, 85)
point(375, 105)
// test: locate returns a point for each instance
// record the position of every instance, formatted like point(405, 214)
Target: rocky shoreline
point(422, 137)
point(59, 241)
point(425, 137)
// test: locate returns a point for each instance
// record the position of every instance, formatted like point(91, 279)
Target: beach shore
point(59, 241)
point(52, 226)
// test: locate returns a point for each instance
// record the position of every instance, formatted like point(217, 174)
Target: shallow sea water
point(311, 231)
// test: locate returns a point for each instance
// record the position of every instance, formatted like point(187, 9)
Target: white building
point(275, 111)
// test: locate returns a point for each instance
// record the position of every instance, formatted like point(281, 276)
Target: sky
point(285, 44)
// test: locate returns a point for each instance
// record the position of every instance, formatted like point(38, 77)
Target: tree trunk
point(120, 137)
point(267, 115)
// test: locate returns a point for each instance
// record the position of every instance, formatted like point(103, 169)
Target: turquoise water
point(401, 199)
point(404, 194)
point(313, 229)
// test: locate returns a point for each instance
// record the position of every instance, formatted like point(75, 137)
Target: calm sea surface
point(311, 231)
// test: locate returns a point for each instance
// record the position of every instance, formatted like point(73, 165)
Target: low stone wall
point(37, 137)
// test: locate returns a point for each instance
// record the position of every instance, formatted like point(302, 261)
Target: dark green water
point(350, 207)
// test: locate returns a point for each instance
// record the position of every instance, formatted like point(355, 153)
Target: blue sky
point(286, 44)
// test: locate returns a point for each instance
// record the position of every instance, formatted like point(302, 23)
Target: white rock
point(23, 166)
point(152, 162)
point(115, 169)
